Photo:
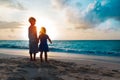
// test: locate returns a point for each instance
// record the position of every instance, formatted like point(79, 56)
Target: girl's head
point(32, 20)
point(43, 30)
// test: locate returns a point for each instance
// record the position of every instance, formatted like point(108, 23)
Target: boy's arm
point(28, 33)
point(38, 39)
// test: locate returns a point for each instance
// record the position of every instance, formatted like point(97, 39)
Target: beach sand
point(60, 67)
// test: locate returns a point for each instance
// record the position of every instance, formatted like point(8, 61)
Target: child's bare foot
point(31, 59)
point(41, 60)
point(34, 60)
point(46, 61)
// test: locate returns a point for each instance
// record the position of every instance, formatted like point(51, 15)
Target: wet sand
point(18, 67)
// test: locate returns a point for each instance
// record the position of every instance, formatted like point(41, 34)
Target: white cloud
point(10, 25)
point(14, 4)
point(96, 13)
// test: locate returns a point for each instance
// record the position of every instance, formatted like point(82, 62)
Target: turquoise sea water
point(87, 47)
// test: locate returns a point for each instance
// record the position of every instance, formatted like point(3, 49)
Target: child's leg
point(46, 57)
point(34, 56)
point(41, 59)
point(31, 57)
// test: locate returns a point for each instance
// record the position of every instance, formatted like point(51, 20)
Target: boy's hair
point(32, 18)
point(43, 30)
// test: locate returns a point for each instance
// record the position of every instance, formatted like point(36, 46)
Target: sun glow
point(48, 24)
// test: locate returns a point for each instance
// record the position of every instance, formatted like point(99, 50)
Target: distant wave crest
point(88, 52)
point(13, 46)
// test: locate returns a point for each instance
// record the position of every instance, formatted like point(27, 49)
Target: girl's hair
point(32, 18)
point(43, 30)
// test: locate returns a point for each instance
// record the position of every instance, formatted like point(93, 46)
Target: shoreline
point(59, 55)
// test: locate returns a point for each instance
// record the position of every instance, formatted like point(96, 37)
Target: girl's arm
point(49, 40)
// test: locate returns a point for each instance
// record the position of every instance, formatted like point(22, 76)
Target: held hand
point(37, 40)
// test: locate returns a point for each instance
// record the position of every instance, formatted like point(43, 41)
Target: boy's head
point(32, 20)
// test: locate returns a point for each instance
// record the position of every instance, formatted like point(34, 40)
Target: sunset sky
point(63, 19)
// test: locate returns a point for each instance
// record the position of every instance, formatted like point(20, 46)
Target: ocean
point(86, 47)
